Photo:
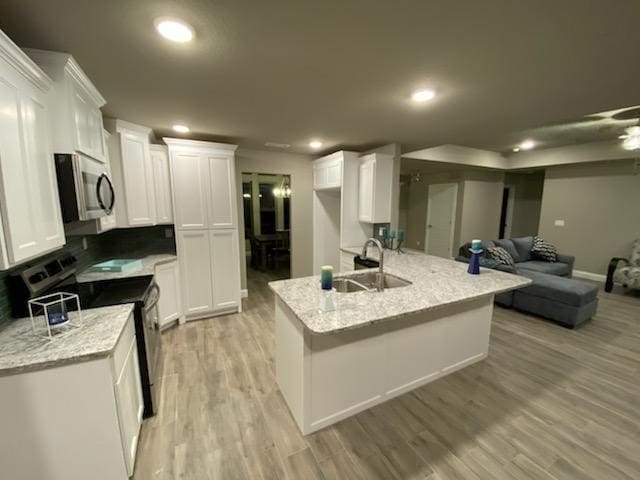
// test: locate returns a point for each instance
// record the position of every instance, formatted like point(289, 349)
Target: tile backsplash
point(122, 243)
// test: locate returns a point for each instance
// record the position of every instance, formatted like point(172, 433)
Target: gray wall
point(299, 167)
point(481, 208)
point(599, 204)
point(528, 202)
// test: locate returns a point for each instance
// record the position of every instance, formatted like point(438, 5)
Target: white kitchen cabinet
point(28, 186)
point(130, 406)
point(205, 206)
point(194, 252)
point(76, 122)
point(374, 188)
point(223, 211)
point(132, 173)
point(161, 184)
point(167, 276)
point(225, 269)
point(75, 421)
point(190, 180)
point(327, 172)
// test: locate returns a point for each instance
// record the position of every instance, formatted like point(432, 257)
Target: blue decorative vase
point(474, 262)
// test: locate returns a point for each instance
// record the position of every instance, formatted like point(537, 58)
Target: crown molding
point(19, 60)
point(199, 144)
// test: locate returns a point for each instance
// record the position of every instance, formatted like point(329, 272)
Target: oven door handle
point(107, 209)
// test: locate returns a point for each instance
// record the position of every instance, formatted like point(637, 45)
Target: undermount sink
point(358, 282)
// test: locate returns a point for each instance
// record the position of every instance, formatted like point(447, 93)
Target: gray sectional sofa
point(553, 294)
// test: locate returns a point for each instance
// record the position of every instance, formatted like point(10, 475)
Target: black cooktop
point(109, 292)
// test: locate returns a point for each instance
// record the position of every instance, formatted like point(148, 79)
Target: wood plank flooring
point(548, 403)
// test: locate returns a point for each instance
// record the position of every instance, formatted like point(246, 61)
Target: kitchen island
point(378, 345)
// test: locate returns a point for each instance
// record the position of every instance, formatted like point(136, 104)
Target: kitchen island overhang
point(378, 345)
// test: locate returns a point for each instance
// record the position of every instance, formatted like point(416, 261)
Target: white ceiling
point(342, 71)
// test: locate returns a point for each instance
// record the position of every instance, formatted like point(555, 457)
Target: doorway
point(441, 219)
point(506, 214)
point(266, 200)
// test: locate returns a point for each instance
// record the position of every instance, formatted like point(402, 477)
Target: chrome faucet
point(378, 245)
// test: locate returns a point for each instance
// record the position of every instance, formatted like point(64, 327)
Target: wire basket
point(55, 314)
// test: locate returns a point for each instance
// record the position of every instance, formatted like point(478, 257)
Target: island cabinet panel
point(325, 378)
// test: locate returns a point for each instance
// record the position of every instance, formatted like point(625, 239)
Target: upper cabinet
point(204, 189)
point(31, 220)
point(132, 171)
point(327, 172)
point(375, 188)
point(76, 120)
point(161, 184)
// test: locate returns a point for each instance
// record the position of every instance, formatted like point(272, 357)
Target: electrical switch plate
point(559, 223)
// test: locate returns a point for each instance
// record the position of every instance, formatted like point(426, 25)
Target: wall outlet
point(417, 243)
point(559, 223)
point(84, 243)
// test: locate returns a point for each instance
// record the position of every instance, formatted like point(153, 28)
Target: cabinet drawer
point(122, 348)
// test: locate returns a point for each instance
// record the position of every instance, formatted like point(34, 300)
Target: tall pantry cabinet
point(205, 217)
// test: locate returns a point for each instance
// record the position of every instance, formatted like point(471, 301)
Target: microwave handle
point(104, 178)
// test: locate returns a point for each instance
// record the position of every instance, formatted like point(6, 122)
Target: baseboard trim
point(244, 293)
point(596, 277)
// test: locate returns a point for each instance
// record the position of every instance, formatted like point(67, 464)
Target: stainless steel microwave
point(84, 186)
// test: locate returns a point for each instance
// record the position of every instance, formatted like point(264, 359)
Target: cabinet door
point(319, 177)
point(95, 132)
point(366, 191)
point(129, 405)
point(45, 187)
point(162, 185)
point(223, 197)
point(194, 250)
point(138, 179)
point(169, 306)
point(88, 124)
point(225, 265)
point(334, 174)
point(190, 181)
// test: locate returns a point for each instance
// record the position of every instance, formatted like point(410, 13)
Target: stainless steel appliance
point(84, 187)
point(58, 275)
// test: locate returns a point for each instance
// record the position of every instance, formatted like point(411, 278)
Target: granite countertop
point(149, 263)
point(436, 283)
point(100, 329)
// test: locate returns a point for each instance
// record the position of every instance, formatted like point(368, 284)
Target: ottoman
point(567, 301)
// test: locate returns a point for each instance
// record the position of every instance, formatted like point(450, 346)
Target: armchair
point(625, 271)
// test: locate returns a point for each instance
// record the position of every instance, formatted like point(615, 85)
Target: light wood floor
point(548, 403)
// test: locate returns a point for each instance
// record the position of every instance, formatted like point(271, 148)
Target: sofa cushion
point(559, 289)
point(500, 255)
point(551, 268)
point(523, 246)
point(544, 250)
point(508, 245)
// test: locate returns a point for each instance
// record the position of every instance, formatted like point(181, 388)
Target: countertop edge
point(399, 315)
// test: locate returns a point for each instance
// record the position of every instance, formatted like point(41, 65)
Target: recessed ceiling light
point(516, 149)
point(422, 95)
point(315, 144)
point(527, 145)
point(181, 128)
point(174, 29)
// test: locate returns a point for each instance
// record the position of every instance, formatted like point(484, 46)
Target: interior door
point(441, 208)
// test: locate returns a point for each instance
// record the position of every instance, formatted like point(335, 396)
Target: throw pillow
point(500, 255)
point(544, 250)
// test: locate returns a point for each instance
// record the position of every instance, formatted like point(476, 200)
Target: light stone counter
point(148, 268)
point(436, 283)
point(22, 351)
